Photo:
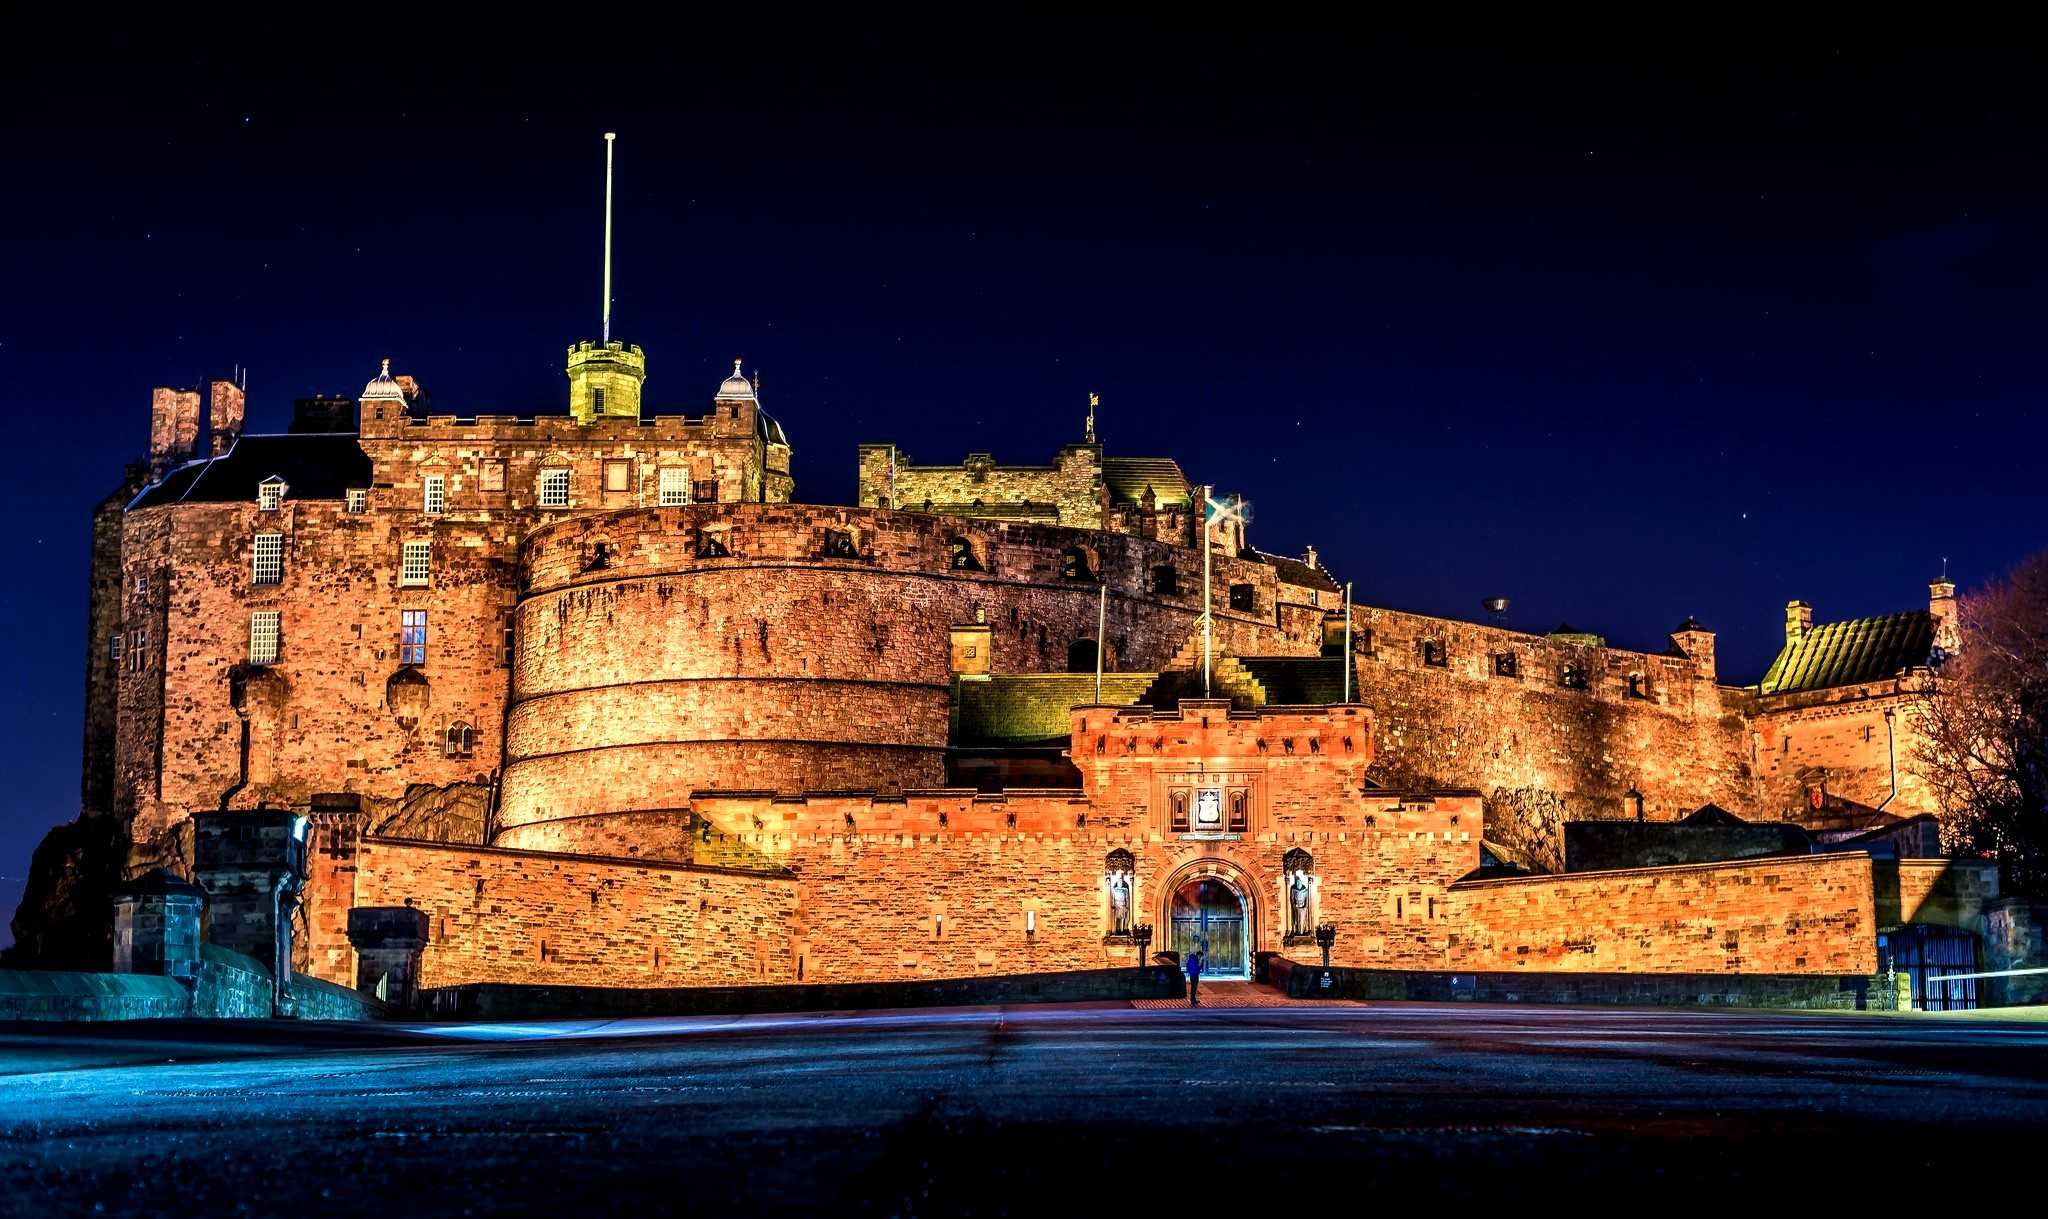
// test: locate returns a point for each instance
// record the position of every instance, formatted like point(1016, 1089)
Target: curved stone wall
point(788, 647)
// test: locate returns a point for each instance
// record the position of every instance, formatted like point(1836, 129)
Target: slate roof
point(1845, 653)
point(1127, 478)
point(319, 465)
point(1297, 573)
point(1035, 708)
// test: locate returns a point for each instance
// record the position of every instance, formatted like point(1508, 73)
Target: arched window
point(960, 555)
point(461, 740)
point(1081, 656)
point(1074, 564)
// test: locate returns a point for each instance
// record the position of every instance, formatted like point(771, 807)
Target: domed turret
point(736, 387)
point(384, 388)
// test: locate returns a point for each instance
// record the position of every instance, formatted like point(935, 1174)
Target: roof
point(1036, 708)
point(1127, 477)
point(1711, 814)
point(1298, 573)
point(314, 465)
point(1845, 653)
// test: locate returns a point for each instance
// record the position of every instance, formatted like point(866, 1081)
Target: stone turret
point(605, 380)
point(1696, 643)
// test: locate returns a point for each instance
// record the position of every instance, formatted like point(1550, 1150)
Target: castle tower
point(605, 380)
point(605, 377)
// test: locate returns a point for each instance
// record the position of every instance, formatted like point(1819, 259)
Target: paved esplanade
point(1030, 1110)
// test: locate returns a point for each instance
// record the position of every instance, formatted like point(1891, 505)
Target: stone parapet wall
point(500, 915)
point(1796, 915)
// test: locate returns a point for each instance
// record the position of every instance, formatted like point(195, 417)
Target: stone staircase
point(1181, 677)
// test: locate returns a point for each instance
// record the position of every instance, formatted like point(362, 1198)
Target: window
point(138, 649)
point(554, 488)
point(505, 657)
point(461, 740)
point(839, 545)
point(358, 499)
point(416, 563)
point(1243, 598)
point(960, 555)
point(675, 487)
point(1177, 808)
point(1240, 810)
point(436, 495)
point(1572, 677)
point(1074, 564)
point(263, 637)
point(142, 584)
point(114, 652)
point(1638, 686)
point(1505, 665)
point(412, 637)
point(597, 400)
point(1166, 581)
point(267, 560)
point(618, 477)
point(1435, 654)
point(270, 493)
point(704, 490)
point(711, 546)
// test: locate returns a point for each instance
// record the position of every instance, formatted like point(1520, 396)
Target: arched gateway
point(1208, 907)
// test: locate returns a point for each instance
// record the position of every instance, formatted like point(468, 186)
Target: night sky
point(1621, 338)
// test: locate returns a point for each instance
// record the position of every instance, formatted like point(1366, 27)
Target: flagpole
point(1208, 618)
point(1347, 641)
point(1101, 617)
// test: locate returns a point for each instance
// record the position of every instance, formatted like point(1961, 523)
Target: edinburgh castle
point(597, 696)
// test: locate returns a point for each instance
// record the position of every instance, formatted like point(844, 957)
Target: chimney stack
point(1798, 621)
point(173, 427)
point(228, 407)
point(1941, 606)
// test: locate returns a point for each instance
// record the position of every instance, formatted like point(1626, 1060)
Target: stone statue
point(1297, 906)
point(1120, 903)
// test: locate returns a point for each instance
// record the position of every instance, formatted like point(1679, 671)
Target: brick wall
point(526, 916)
point(1805, 914)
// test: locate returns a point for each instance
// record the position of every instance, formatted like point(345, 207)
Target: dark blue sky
point(1621, 338)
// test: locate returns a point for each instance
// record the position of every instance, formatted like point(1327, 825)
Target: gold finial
point(387, 366)
point(735, 368)
point(1094, 400)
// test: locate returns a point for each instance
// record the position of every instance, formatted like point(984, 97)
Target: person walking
point(1194, 968)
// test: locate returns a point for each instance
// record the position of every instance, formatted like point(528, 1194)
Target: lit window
point(597, 400)
point(263, 637)
point(461, 740)
point(675, 487)
point(114, 647)
point(270, 493)
point(436, 495)
point(412, 637)
point(268, 558)
point(358, 499)
point(554, 488)
point(416, 563)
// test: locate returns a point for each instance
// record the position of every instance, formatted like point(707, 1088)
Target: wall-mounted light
point(938, 925)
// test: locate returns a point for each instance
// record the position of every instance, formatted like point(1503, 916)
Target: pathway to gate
point(1245, 994)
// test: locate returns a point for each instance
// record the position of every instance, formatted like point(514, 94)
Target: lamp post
point(1326, 935)
point(1142, 933)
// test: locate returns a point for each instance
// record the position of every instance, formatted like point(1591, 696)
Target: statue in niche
point(1297, 906)
point(1120, 903)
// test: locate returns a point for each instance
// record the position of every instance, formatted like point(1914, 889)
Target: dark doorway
point(1210, 910)
point(1081, 656)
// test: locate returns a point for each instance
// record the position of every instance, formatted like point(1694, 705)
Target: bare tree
point(1984, 727)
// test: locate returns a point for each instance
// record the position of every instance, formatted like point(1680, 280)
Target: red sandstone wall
point(499, 916)
point(1943, 892)
point(1842, 737)
point(1805, 914)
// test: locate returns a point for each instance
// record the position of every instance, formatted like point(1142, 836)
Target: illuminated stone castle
point(595, 695)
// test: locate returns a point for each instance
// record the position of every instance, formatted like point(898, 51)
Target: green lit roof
point(1845, 653)
point(1127, 478)
point(1035, 708)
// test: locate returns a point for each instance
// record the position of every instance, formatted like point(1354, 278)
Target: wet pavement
point(1030, 1110)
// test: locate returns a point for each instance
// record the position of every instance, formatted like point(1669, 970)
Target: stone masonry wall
point(501, 916)
point(1071, 486)
point(1790, 915)
point(1843, 738)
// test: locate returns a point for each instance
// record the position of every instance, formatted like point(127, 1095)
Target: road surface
point(1029, 1110)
